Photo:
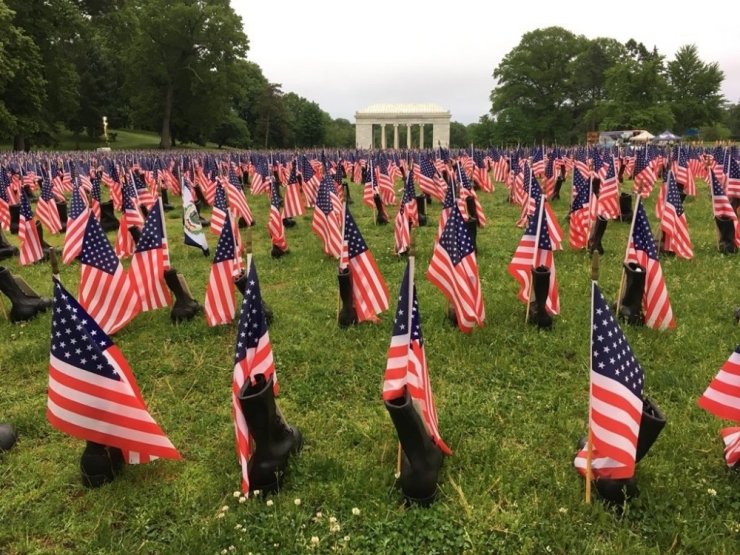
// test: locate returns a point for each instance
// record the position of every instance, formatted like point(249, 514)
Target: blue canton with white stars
point(128, 196)
point(252, 322)
point(219, 200)
point(642, 236)
point(46, 187)
point(611, 355)
point(25, 206)
point(355, 243)
point(455, 238)
point(96, 250)
point(225, 248)
point(78, 205)
point(582, 192)
point(401, 320)
point(673, 195)
point(95, 190)
point(409, 193)
point(152, 235)
point(544, 235)
point(274, 196)
point(323, 200)
point(426, 166)
point(76, 338)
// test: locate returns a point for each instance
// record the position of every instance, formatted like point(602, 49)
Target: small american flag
point(480, 172)
point(467, 191)
point(720, 203)
point(385, 183)
point(409, 199)
point(722, 399)
point(733, 179)
point(261, 176)
point(580, 219)
point(369, 291)
point(673, 222)
point(275, 222)
point(95, 195)
point(406, 368)
point(684, 175)
point(293, 204)
point(31, 250)
point(453, 269)
point(131, 217)
point(150, 261)
point(220, 305)
point(657, 305)
point(46, 208)
point(76, 225)
point(311, 181)
point(92, 392)
point(644, 175)
point(429, 180)
point(615, 399)
point(4, 200)
point(253, 356)
point(326, 219)
point(235, 194)
point(609, 192)
point(220, 206)
point(106, 290)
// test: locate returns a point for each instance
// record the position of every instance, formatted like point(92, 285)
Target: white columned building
point(409, 115)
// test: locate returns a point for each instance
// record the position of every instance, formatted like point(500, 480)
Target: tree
point(307, 121)
point(696, 99)
point(180, 61)
point(535, 86)
point(458, 135)
point(732, 118)
point(340, 133)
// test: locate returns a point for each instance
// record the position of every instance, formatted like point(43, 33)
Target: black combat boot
point(6, 249)
point(422, 459)
point(166, 201)
point(62, 210)
point(726, 230)
point(108, 220)
point(597, 233)
point(241, 285)
point(472, 226)
point(558, 185)
point(135, 233)
point(421, 208)
point(100, 464)
point(625, 207)
point(630, 308)
point(381, 218)
point(185, 306)
point(347, 314)
point(8, 437)
point(25, 303)
point(277, 252)
point(15, 218)
point(275, 440)
point(537, 308)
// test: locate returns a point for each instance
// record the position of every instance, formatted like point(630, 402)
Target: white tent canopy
point(642, 137)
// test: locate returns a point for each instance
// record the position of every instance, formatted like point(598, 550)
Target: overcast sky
point(346, 55)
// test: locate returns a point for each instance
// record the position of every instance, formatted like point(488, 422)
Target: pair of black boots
point(630, 306)
point(6, 249)
point(26, 303)
point(726, 231)
point(538, 314)
point(616, 491)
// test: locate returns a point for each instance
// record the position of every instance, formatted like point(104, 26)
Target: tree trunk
point(19, 142)
point(165, 136)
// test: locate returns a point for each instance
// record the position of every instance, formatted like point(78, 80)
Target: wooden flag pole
point(534, 253)
point(589, 439)
point(409, 315)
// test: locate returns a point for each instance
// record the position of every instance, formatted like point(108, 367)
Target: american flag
point(106, 290)
point(722, 208)
point(76, 225)
point(609, 192)
point(429, 181)
point(31, 250)
point(733, 179)
point(480, 172)
point(95, 195)
point(4, 200)
point(385, 184)
point(220, 304)
point(657, 305)
point(615, 398)
point(684, 175)
point(370, 187)
point(293, 205)
point(131, 217)
point(580, 213)
point(722, 398)
point(466, 191)
point(145, 196)
point(369, 291)
point(454, 271)
point(235, 194)
point(92, 392)
point(326, 219)
point(253, 356)
point(500, 167)
point(401, 232)
point(406, 368)
point(113, 182)
point(409, 199)
point(150, 261)
point(581, 162)
point(261, 176)
point(644, 175)
point(311, 181)
point(220, 207)
point(275, 221)
point(672, 218)
point(46, 207)
point(534, 250)
point(538, 161)
point(555, 231)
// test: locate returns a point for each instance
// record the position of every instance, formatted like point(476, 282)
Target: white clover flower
point(237, 494)
point(712, 492)
point(334, 527)
point(224, 508)
point(269, 503)
point(314, 540)
point(220, 515)
point(562, 510)
point(319, 515)
point(232, 548)
point(355, 511)
point(256, 492)
point(332, 520)
point(297, 502)
point(346, 538)
point(242, 499)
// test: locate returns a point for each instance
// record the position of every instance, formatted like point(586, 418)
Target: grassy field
point(125, 139)
point(512, 403)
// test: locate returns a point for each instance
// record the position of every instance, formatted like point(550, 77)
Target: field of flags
point(506, 364)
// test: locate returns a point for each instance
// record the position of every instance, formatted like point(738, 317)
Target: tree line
point(178, 68)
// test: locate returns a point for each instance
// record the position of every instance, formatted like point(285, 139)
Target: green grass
point(512, 403)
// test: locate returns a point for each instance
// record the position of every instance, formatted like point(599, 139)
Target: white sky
point(346, 55)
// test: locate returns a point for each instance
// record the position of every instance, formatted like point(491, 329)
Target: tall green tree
point(458, 135)
point(695, 95)
point(307, 121)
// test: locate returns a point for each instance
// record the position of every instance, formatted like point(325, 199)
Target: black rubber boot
point(275, 440)
point(46, 247)
point(538, 314)
point(100, 464)
point(8, 437)
point(558, 185)
point(421, 208)
point(347, 314)
point(166, 201)
point(737, 316)
point(108, 220)
point(422, 459)
point(241, 285)
point(630, 308)
point(29, 193)
point(471, 208)
point(243, 223)
point(735, 203)
point(135, 233)
point(625, 207)
point(15, 218)
point(277, 252)
point(6, 249)
point(597, 233)
point(472, 226)
point(451, 316)
point(25, 304)
point(726, 229)
point(62, 210)
point(381, 218)
point(185, 306)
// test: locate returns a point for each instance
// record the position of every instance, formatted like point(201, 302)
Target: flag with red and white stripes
point(4, 200)
point(92, 392)
point(76, 225)
point(580, 213)
point(253, 357)
point(237, 200)
point(220, 207)
point(220, 305)
point(406, 371)
point(46, 207)
point(293, 205)
point(327, 219)
point(672, 216)
point(641, 250)
point(609, 192)
point(31, 250)
point(150, 261)
point(106, 290)
point(453, 269)
point(722, 208)
point(369, 291)
point(275, 226)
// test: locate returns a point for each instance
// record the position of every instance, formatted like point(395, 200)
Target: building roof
point(392, 109)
